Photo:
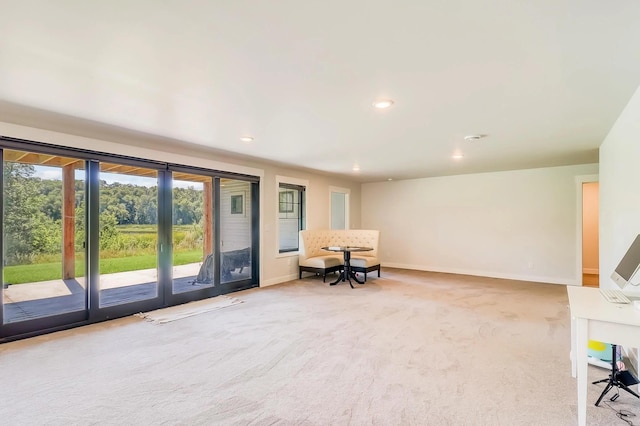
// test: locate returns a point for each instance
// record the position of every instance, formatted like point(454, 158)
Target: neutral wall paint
point(513, 224)
point(590, 217)
point(620, 190)
point(274, 268)
point(620, 197)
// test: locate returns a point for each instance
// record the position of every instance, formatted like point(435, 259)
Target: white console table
point(593, 318)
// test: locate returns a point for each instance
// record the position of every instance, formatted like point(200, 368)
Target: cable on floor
point(624, 415)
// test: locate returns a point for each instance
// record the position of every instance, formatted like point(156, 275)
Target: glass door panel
point(235, 230)
point(339, 210)
point(192, 232)
point(128, 234)
point(44, 234)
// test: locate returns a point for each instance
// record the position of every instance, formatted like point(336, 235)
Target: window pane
point(290, 220)
point(43, 219)
point(235, 230)
point(193, 260)
point(128, 234)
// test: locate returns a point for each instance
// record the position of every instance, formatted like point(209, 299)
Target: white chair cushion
point(328, 261)
point(364, 262)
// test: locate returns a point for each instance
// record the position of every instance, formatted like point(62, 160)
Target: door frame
point(580, 180)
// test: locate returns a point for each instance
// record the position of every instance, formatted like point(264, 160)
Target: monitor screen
point(628, 265)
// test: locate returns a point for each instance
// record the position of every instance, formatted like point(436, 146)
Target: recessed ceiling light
point(383, 103)
point(246, 138)
point(472, 138)
point(390, 179)
point(457, 156)
point(356, 168)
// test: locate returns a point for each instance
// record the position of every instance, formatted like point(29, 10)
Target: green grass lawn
point(150, 229)
point(53, 271)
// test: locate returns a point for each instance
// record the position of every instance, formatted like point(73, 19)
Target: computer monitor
point(628, 266)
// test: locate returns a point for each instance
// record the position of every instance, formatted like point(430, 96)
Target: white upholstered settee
point(312, 258)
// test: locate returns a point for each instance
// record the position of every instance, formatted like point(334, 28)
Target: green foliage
point(190, 238)
point(52, 192)
point(187, 206)
point(28, 230)
point(109, 235)
point(130, 204)
point(128, 233)
point(33, 216)
point(80, 233)
point(138, 229)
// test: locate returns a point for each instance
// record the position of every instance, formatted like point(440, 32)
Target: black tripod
point(620, 379)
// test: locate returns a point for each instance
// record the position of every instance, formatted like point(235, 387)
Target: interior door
point(339, 210)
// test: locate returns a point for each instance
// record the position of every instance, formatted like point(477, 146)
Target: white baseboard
point(594, 271)
point(489, 274)
point(279, 280)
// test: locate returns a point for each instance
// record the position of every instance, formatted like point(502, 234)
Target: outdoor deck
point(36, 300)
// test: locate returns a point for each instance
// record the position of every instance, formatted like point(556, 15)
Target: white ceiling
point(544, 79)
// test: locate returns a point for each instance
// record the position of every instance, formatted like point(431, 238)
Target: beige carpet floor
point(410, 348)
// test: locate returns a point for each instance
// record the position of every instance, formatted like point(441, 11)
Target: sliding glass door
point(236, 232)
point(89, 236)
point(43, 272)
point(192, 233)
point(128, 236)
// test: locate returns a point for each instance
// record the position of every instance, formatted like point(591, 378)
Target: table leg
point(340, 278)
point(350, 274)
point(354, 276)
point(347, 274)
point(581, 328)
point(346, 270)
point(347, 267)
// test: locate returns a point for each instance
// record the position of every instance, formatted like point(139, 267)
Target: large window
point(291, 217)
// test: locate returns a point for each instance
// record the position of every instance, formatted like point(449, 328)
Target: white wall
point(620, 196)
point(514, 224)
point(274, 268)
point(619, 189)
